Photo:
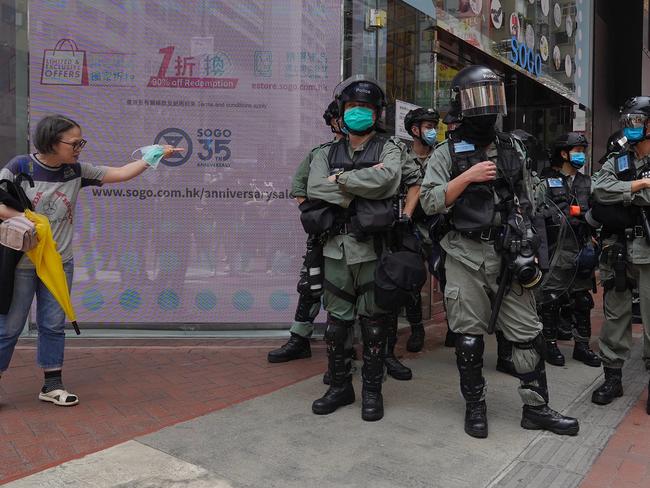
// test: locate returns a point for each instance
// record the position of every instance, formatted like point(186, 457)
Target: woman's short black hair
point(48, 131)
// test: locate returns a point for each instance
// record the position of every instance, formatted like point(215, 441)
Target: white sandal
point(59, 397)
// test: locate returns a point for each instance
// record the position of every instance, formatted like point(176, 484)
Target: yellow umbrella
point(49, 266)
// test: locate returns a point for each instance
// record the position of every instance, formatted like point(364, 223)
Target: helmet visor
point(633, 121)
point(486, 98)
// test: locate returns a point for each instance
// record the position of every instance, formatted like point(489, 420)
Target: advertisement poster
point(401, 109)
point(211, 237)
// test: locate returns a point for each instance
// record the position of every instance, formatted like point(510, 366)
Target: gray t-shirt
point(54, 194)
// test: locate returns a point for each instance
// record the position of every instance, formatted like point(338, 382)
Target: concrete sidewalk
point(275, 440)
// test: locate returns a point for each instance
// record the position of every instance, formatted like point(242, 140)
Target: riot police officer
point(309, 297)
point(422, 125)
point(621, 191)
point(568, 191)
point(357, 179)
point(478, 176)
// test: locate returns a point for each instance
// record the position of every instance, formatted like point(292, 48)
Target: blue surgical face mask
point(577, 159)
point(429, 137)
point(633, 134)
point(358, 119)
point(150, 154)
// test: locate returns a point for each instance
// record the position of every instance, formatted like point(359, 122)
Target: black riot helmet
point(566, 142)
point(419, 115)
point(360, 88)
point(331, 112)
point(616, 143)
point(477, 90)
point(634, 116)
point(570, 140)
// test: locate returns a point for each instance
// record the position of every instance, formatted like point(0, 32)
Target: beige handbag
point(18, 233)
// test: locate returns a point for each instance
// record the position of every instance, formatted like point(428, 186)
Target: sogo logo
point(525, 57)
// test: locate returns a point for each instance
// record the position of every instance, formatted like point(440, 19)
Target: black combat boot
point(450, 338)
point(469, 359)
point(372, 372)
point(393, 365)
point(583, 353)
point(296, 348)
point(504, 355)
point(415, 342)
point(582, 331)
point(612, 387)
point(544, 417)
point(549, 313)
point(340, 392)
point(553, 354)
point(541, 416)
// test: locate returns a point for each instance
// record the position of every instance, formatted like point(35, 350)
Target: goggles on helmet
point(483, 98)
point(633, 121)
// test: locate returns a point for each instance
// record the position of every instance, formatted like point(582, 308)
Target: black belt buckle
point(638, 231)
point(487, 234)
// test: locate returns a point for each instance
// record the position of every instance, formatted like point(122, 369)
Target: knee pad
point(583, 300)
point(469, 348)
point(374, 328)
point(337, 329)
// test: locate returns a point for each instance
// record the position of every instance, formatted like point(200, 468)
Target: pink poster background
point(210, 237)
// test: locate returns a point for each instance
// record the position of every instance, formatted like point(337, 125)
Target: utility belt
point(629, 233)
point(362, 218)
point(489, 234)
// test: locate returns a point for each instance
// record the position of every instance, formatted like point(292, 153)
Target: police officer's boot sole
point(605, 398)
point(586, 356)
point(296, 348)
point(335, 397)
point(285, 359)
point(397, 370)
point(372, 407)
point(476, 424)
point(544, 418)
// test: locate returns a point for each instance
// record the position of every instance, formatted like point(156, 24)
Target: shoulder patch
point(462, 146)
point(555, 183)
point(622, 163)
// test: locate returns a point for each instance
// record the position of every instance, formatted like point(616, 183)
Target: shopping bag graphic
point(66, 64)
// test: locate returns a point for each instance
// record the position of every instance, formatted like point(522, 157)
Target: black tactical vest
point(618, 217)
point(340, 159)
point(366, 216)
point(559, 192)
point(476, 208)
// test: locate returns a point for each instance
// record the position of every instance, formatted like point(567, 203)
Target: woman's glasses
point(77, 145)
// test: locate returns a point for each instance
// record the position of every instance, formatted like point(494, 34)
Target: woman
point(58, 176)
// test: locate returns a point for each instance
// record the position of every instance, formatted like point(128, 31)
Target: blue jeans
point(50, 319)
